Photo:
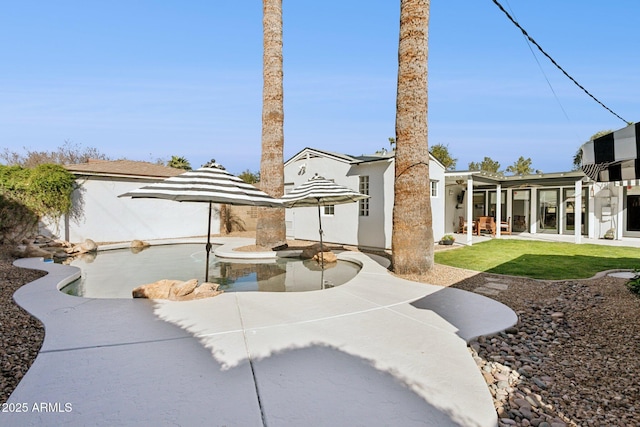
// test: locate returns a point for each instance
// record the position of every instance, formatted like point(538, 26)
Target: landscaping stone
point(587, 358)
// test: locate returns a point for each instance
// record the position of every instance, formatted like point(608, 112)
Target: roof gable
point(311, 153)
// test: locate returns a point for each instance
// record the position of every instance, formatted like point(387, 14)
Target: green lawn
point(540, 260)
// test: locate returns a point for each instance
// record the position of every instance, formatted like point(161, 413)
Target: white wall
point(436, 173)
point(107, 218)
point(338, 228)
point(346, 226)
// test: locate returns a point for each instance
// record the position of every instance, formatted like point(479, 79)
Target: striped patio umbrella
point(614, 156)
point(318, 191)
point(209, 184)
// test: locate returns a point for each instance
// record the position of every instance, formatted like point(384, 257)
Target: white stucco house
point(562, 203)
point(366, 223)
point(99, 214)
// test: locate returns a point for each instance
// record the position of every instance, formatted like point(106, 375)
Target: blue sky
point(150, 79)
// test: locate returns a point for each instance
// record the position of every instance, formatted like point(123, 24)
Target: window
point(364, 189)
point(329, 209)
point(434, 188)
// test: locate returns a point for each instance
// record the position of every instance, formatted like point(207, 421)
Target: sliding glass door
point(548, 211)
point(570, 211)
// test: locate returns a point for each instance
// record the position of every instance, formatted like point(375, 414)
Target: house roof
point(347, 158)
point(483, 177)
point(123, 168)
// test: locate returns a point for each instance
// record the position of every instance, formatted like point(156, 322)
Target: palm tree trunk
point(270, 228)
point(412, 235)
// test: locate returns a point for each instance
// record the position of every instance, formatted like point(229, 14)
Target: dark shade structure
point(614, 156)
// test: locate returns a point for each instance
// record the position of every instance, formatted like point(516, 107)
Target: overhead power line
point(555, 63)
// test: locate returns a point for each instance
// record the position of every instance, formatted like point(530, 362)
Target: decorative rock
point(310, 251)
point(329, 257)
point(138, 246)
point(156, 290)
point(176, 290)
point(87, 246)
point(31, 251)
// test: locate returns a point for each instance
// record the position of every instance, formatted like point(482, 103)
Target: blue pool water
point(114, 274)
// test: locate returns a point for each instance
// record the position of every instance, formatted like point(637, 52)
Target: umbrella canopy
point(318, 191)
point(210, 184)
point(614, 156)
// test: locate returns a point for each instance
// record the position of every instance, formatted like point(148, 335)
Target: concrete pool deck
point(377, 350)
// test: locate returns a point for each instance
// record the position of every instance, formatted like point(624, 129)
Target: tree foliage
point(521, 166)
point(249, 177)
point(67, 154)
point(28, 194)
point(577, 158)
point(487, 165)
point(441, 152)
point(179, 162)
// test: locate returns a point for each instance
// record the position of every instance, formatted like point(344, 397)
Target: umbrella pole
point(321, 248)
point(208, 247)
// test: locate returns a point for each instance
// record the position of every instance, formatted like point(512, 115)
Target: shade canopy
point(614, 156)
point(210, 183)
point(318, 191)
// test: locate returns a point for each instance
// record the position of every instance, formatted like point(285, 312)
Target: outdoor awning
point(629, 183)
point(614, 156)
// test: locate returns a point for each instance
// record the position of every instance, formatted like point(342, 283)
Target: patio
point(566, 238)
point(377, 350)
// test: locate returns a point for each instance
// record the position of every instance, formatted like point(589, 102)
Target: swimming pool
point(115, 273)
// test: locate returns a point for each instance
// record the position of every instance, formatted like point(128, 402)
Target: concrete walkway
point(376, 351)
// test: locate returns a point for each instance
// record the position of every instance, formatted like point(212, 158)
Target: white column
point(469, 214)
point(533, 211)
point(498, 209)
point(577, 212)
point(619, 211)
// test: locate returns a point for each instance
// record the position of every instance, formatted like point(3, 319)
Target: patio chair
point(462, 226)
point(505, 226)
point(486, 223)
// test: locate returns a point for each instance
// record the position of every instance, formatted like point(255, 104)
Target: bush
point(634, 284)
point(30, 194)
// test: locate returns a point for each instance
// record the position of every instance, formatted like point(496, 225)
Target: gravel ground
point(21, 335)
point(570, 360)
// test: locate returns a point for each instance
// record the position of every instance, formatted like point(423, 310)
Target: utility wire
point(533, 53)
point(555, 63)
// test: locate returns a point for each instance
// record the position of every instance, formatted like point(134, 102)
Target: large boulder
point(179, 290)
point(329, 257)
point(310, 251)
point(155, 290)
point(205, 290)
point(176, 290)
point(85, 247)
point(33, 251)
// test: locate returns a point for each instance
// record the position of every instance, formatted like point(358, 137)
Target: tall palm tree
point(412, 235)
point(270, 229)
point(179, 162)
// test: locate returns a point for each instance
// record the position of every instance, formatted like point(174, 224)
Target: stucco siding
point(346, 226)
point(104, 217)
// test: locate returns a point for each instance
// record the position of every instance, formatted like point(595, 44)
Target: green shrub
point(28, 194)
point(634, 284)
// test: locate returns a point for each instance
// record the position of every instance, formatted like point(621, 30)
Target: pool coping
point(405, 329)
